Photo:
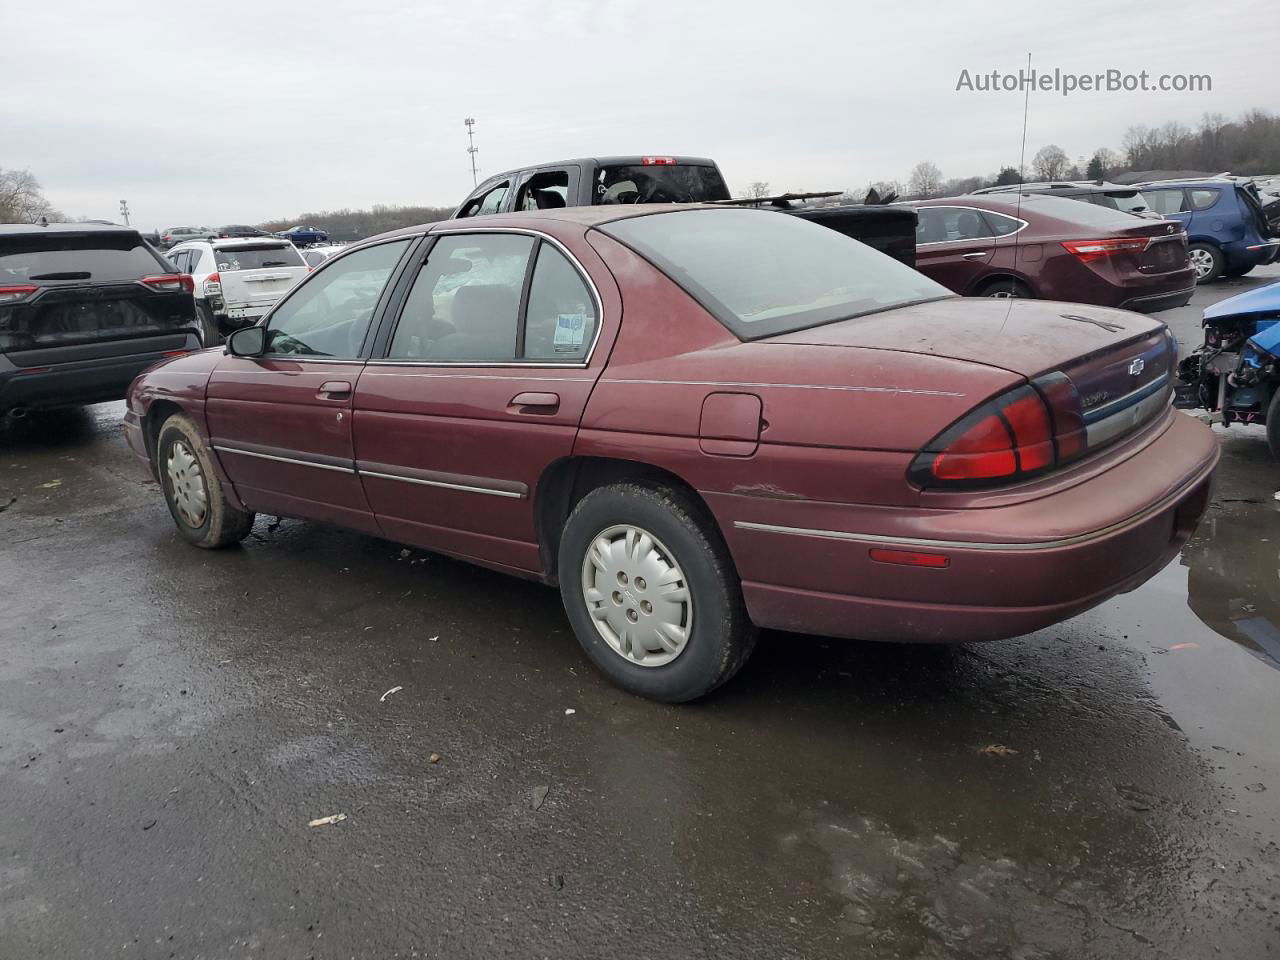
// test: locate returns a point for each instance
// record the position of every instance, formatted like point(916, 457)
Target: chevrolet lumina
point(696, 422)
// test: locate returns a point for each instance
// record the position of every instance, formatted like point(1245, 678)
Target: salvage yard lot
point(175, 719)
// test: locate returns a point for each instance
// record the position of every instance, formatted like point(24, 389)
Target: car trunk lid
point(257, 274)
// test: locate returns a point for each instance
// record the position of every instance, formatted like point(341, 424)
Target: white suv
point(237, 281)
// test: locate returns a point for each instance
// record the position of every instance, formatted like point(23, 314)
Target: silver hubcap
point(1202, 260)
point(186, 481)
point(637, 596)
point(1003, 295)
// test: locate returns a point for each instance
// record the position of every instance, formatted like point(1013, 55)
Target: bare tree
point(758, 189)
point(1050, 163)
point(925, 180)
point(21, 200)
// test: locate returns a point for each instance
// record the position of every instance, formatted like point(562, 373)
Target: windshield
point(763, 272)
point(60, 256)
point(674, 183)
point(257, 257)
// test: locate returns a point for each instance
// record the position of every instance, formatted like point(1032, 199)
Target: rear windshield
point(99, 257)
point(762, 272)
point(677, 183)
point(257, 257)
point(1073, 211)
point(1127, 201)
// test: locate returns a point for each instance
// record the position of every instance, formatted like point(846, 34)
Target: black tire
point(220, 524)
point(1273, 423)
point(209, 333)
point(1211, 258)
point(722, 634)
point(1007, 290)
point(1238, 271)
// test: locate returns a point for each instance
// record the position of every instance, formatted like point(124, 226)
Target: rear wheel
point(1207, 261)
point(1273, 423)
point(192, 489)
point(651, 592)
point(209, 334)
point(1007, 290)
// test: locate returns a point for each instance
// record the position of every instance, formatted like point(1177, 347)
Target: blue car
point(304, 236)
point(1227, 232)
point(1235, 373)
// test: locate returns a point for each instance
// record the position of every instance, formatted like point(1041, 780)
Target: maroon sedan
point(1055, 249)
point(696, 421)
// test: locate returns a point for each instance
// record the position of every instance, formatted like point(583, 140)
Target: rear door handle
point(334, 390)
point(976, 255)
point(534, 403)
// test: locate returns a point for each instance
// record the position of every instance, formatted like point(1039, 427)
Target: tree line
point(1247, 146)
point(349, 224)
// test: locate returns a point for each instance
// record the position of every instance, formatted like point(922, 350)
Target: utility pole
point(124, 211)
point(472, 148)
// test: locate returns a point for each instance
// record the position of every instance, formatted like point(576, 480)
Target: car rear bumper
point(87, 380)
point(1076, 551)
point(1150, 303)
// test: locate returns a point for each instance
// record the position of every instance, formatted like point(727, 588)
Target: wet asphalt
point(171, 720)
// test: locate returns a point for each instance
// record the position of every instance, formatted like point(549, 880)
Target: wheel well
point(568, 480)
point(989, 282)
point(157, 414)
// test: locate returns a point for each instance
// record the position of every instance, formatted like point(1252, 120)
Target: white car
point(319, 254)
point(237, 280)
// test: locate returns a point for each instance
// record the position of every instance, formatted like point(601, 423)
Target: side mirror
point(248, 342)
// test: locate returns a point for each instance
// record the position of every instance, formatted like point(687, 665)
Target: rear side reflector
point(658, 161)
point(1088, 250)
point(170, 282)
point(1025, 432)
point(16, 292)
point(910, 558)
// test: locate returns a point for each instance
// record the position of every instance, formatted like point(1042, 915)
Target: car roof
point(14, 229)
point(1059, 186)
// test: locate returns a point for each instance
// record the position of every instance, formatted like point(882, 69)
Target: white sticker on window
point(570, 330)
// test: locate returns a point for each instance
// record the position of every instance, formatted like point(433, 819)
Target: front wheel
point(1207, 261)
point(651, 592)
point(192, 489)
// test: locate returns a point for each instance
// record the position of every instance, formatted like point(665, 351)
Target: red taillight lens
point(170, 282)
point(1089, 250)
point(213, 285)
point(16, 292)
point(658, 161)
point(1018, 435)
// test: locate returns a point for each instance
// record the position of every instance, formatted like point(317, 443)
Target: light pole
point(124, 211)
point(471, 147)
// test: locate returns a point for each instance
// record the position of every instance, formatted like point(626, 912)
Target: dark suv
point(83, 310)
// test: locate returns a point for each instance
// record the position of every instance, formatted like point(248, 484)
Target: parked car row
point(299, 236)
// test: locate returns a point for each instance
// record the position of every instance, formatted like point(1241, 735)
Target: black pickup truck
point(608, 180)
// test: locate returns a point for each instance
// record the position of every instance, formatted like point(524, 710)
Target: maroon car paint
point(798, 444)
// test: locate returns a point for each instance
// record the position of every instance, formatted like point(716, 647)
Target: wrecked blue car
point(1235, 373)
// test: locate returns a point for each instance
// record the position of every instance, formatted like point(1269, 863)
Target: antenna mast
point(471, 147)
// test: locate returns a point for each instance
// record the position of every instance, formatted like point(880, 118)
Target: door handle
point(334, 390)
point(976, 255)
point(534, 403)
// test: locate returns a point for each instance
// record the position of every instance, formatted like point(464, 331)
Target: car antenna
point(1022, 159)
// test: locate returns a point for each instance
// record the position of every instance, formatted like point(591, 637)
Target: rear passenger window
point(560, 321)
point(1166, 202)
point(465, 302)
point(1203, 199)
point(544, 191)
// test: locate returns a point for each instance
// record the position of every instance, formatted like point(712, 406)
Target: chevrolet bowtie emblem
point(1136, 367)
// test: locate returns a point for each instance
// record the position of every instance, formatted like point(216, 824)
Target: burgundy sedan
point(1055, 249)
point(695, 421)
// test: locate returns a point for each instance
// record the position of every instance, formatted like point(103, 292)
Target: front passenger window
point(329, 314)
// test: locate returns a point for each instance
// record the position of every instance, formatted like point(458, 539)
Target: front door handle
point(976, 255)
point(534, 403)
point(334, 390)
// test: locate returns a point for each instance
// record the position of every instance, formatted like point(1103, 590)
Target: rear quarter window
point(90, 257)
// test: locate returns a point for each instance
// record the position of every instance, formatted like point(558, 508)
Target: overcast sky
point(242, 112)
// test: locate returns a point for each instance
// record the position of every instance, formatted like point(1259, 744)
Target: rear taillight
point(213, 285)
point(16, 292)
point(658, 161)
point(1021, 434)
point(170, 282)
point(1087, 250)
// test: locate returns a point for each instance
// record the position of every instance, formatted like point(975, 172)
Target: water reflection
point(1234, 580)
